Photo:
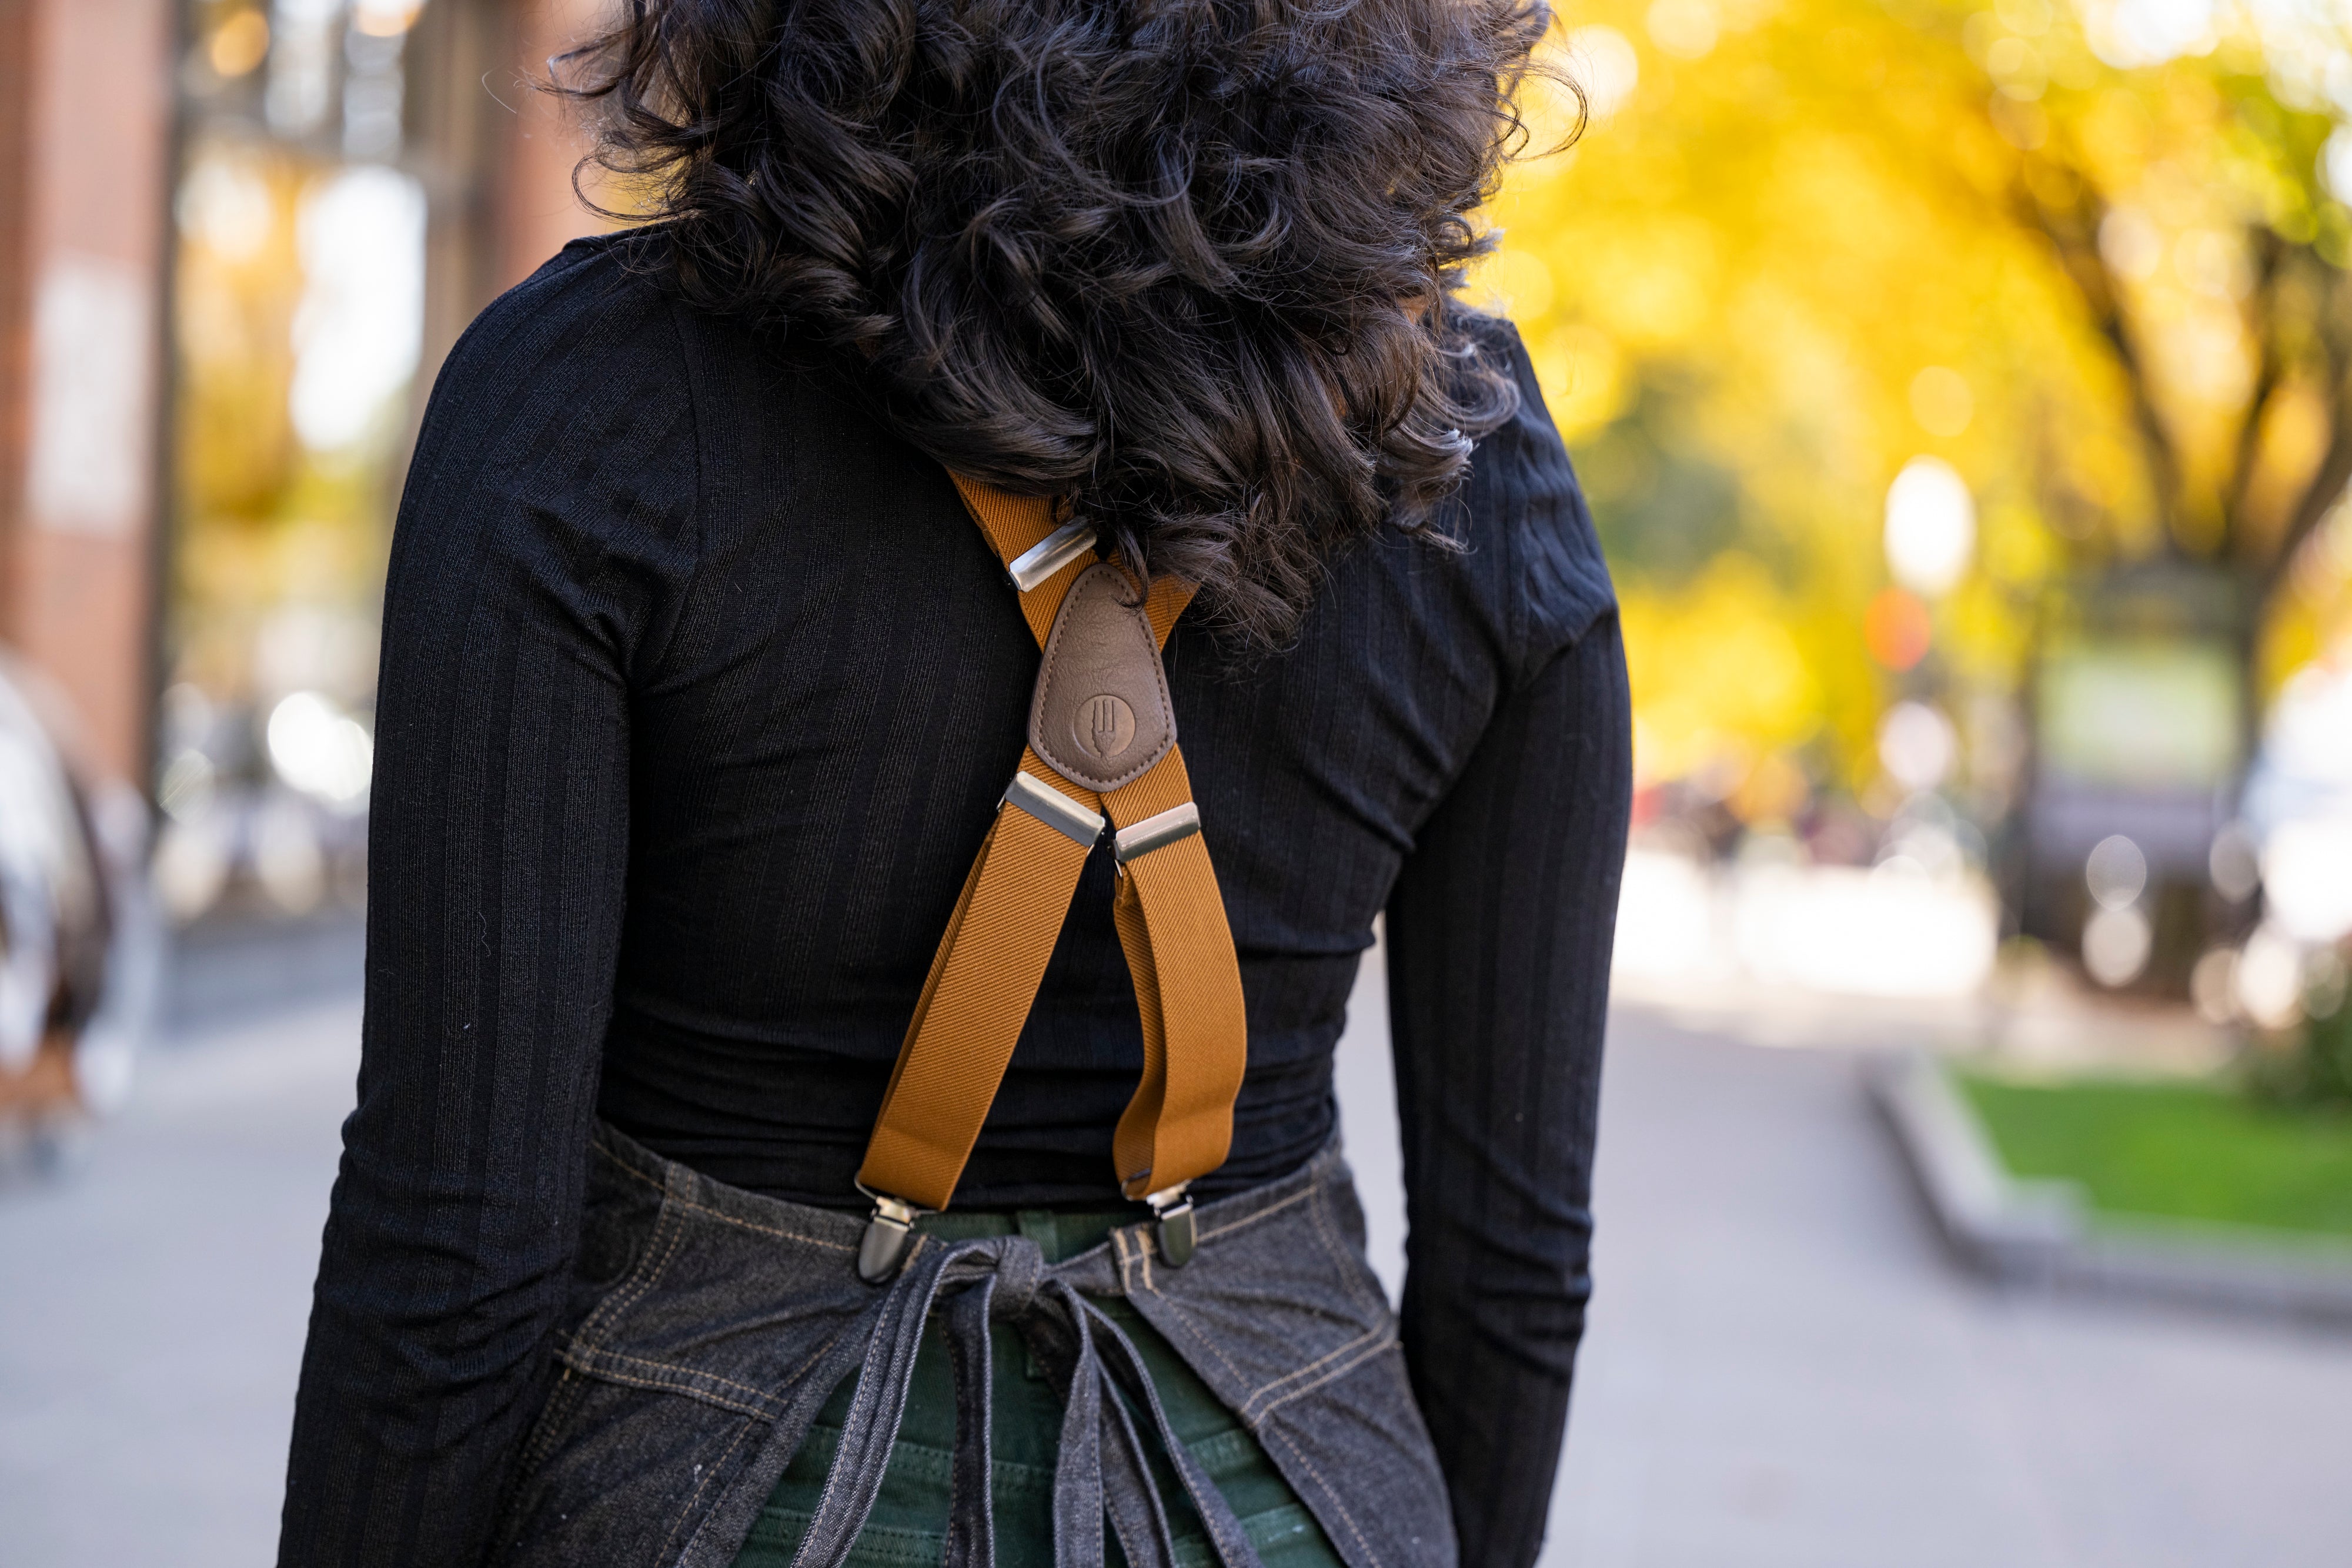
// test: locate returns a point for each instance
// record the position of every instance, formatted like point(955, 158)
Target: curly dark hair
point(1186, 262)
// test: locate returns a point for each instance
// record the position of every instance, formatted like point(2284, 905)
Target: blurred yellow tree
point(1803, 243)
point(263, 522)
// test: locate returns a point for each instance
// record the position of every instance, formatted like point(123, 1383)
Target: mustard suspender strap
point(1102, 747)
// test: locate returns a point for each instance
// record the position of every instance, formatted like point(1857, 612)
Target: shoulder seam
point(1532, 429)
point(1518, 561)
point(546, 273)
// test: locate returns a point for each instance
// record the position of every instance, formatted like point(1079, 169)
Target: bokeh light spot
point(2116, 872)
point(1916, 745)
point(1685, 29)
point(1895, 629)
point(1931, 526)
point(239, 43)
point(1601, 62)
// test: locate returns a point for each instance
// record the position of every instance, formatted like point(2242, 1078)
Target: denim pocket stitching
point(725, 1218)
point(669, 1197)
point(1135, 1265)
point(596, 1367)
point(561, 1401)
point(1371, 1557)
point(1192, 1326)
point(614, 1157)
point(654, 1367)
point(1246, 1220)
point(710, 1474)
point(649, 1267)
point(1355, 1352)
point(1351, 1264)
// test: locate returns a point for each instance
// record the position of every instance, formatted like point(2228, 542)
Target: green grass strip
point(2193, 1151)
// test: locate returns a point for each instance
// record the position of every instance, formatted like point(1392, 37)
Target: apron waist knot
point(1102, 1468)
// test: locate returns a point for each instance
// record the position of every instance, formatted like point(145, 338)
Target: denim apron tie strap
point(971, 1512)
point(1118, 1355)
point(871, 1428)
point(1103, 1468)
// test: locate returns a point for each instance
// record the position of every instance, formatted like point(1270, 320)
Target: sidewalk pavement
point(156, 1292)
point(1781, 1369)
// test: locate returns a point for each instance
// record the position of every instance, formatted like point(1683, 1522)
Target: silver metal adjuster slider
point(1053, 809)
point(1051, 554)
point(1173, 826)
point(884, 1246)
point(1173, 1223)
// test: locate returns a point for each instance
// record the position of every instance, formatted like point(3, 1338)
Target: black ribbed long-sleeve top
point(698, 692)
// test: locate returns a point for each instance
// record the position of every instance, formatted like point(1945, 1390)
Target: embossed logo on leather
point(1105, 726)
point(1101, 715)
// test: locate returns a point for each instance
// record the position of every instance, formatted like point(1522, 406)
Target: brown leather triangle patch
point(1101, 715)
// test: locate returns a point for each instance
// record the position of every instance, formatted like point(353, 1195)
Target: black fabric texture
point(699, 693)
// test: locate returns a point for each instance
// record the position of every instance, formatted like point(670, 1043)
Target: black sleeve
point(545, 530)
point(1499, 933)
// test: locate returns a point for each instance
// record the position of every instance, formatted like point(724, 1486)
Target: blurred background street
point(152, 1324)
point(1783, 1366)
point(1963, 391)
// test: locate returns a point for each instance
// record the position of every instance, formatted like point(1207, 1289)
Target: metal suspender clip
point(1051, 554)
point(1173, 1213)
point(884, 1246)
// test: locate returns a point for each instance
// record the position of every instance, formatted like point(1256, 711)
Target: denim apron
point(708, 1326)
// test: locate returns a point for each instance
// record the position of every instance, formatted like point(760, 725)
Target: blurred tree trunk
point(2289, 459)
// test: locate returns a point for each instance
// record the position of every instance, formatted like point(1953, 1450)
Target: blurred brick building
point(235, 237)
